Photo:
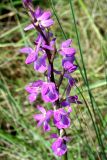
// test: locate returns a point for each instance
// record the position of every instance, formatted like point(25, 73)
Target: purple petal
point(39, 43)
point(72, 68)
point(59, 147)
point(61, 119)
point(71, 81)
point(37, 83)
point(42, 109)
point(58, 113)
point(63, 123)
point(74, 99)
point(49, 114)
point(68, 59)
point(49, 93)
point(26, 50)
point(45, 98)
point(68, 65)
point(40, 122)
point(65, 103)
point(29, 27)
point(51, 86)
point(69, 109)
point(45, 88)
point(38, 12)
point(40, 64)
point(62, 111)
point(32, 97)
point(53, 96)
point(33, 87)
point(38, 117)
point(28, 88)
point(63, 150)
point(62, 52)
point(31, 58)
point(46, 15)
point(69, 51)
point(57, 144)
point(40, 68)
point(46, 126)
point(71, 99)
point(66, 43)
point(47, 23)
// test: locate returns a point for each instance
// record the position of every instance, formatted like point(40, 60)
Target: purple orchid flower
point(40, 64)
point(69, 100)
point(68, 65)
point(43, 19)
point(68, 53)
point(43, 45)
point(32, 54)
point(43, 118)
point(61, 118)
point(49, 92)
point(34, 89)
point(66, 50)
point(59, 146)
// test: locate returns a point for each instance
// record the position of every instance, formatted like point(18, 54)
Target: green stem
point(65, 157)
point(88, 87)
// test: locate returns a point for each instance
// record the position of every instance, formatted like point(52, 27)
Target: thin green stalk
point(65, 157)
point(53, 8)
point(87, 84)
point(101, 39)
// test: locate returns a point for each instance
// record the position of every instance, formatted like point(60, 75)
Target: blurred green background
point(19, 137)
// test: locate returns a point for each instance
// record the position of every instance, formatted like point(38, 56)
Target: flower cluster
point(42, 56)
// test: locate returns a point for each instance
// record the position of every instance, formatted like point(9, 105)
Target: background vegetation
point(86, 23)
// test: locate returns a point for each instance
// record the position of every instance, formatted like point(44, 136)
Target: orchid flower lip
point(43, 118)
